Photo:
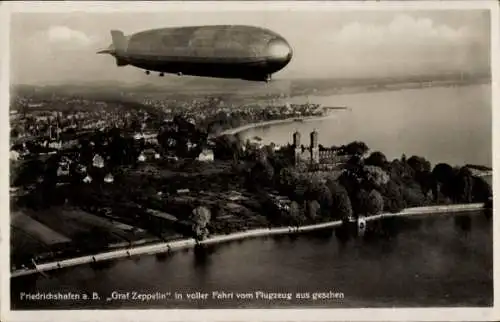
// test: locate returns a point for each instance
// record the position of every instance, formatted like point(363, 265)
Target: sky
point(51, 48)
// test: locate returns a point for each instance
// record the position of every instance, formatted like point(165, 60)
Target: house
point(172, 158)
point(151, 153)
point(14, 155)
point(98, 161)
point(206, 155)
point(63, 170)
point(109, 178)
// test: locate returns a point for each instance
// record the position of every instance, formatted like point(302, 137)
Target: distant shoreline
point(347, 90)
point(165, 247)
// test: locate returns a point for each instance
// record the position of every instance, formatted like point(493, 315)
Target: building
point(14, 155)
point(98, 161)
point(109, 178)
point(313, 155)
point(206, 155)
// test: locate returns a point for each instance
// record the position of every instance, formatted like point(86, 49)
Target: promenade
point(165, 247)
point(249, 126)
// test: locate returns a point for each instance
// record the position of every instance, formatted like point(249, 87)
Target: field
point(78, 226)
point(24, 246)
point(37, 230)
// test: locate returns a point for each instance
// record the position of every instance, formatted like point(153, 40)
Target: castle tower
point(297, 147)
point(296, 139)
point(314, 147)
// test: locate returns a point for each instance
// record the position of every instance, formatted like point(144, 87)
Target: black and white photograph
point(248, 155)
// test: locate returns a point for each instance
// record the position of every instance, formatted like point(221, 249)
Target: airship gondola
point(221, 51)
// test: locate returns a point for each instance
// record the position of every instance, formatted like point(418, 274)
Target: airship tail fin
point(119, 41)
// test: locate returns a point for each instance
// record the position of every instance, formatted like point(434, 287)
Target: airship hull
point(256, 70)
point(225, 51)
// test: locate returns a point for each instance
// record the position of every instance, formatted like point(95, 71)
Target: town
point(96, 172)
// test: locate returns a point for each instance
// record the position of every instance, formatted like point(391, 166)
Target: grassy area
point(37, 230)
point(127, 232)
point(23, 246)
point(82, 232)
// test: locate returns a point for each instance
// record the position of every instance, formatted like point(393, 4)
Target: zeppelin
point(221, 51)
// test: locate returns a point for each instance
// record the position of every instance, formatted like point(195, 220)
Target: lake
point(442, 124)
point(442, 260)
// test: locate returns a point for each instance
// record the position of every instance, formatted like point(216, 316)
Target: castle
point(313, 155)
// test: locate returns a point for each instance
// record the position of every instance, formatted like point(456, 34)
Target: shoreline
point(249, 126)
point(166, 247)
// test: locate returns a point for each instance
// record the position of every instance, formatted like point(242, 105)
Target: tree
point(312, 209)
point(400, 171)
point(287, 180)
point(355, 161)
point(443, 173)
point(413, 196)
point(295, 215)
point(360, 199)
point(227, 147)
point(28, 172)
point(393, 197)
point(269, 150)
point(375, 176)
point(444, 179)
point(419, 164)
point(320, 192)
point(355, 148)
point(369, 203)
point(324, 197)
point(350, 181)
point(262, 173)
point(481, 190)
point(300, 190)
point(341, 203)
point(201, 218)
point(464, 185)
point(375, 203)
point(377, 159)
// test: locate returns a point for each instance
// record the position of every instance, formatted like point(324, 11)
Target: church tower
point(314, 147)
point(297, 147)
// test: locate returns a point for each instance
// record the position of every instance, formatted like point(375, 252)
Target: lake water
point(442, 260)
point(443, 124)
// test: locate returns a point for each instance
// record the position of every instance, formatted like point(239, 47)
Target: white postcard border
point(386, 314)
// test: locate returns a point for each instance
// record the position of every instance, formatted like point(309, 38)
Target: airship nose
point(279, 53)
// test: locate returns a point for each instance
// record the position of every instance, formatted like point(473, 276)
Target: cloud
point(403, 30)
point(405, 45)
point(62, 34)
